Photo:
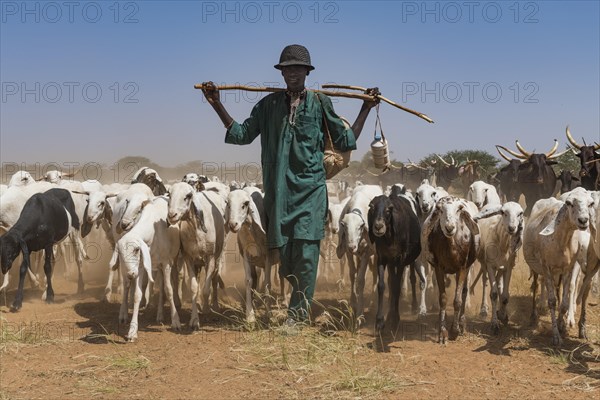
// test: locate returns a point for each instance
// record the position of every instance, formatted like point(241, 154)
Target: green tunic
point(292, 163)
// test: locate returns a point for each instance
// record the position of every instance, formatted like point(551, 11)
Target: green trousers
point(299, 262)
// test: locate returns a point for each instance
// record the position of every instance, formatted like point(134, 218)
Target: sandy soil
point(75, 349)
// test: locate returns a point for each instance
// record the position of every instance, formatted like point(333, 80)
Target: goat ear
point(370, 221)
point(199, 214)
point(256, 220)
point(488, 212)
point(516, 241)
point(593, 226)
point(146, 259)
point(549, 229)
point(473, 227)
point(145, 203)
point(341, 247)
point(161, 189)
point(108, 213)
point(86, 227)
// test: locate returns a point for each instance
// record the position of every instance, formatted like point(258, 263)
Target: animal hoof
point(195, 325)
point(49, 300)
point(483, 313)
point(16, 307)
point(379, 324)
point(130, 339)
point(176, 325)
point(582, 333)
point(422, 314)
point(495, 328)
point(503, 317)
point(533, 319)
point(556, 340)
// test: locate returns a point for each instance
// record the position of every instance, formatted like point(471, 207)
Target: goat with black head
point(395, 230)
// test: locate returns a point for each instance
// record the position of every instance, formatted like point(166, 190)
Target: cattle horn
point(444, 161)
point(553, 156)
point(553, 150)
point(596, 146)
point(452, 158)
point(571, 140)
point(85, 192)
point(512, 153)
point(522, 150)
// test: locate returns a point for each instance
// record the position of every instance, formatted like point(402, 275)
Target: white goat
point(246, 212)
point(483, 195)
point(21, 178)
point(328, 245)
point(203, 234)
point(551, 248)
point(501, 236)
point(150, 245)
point(354, 241)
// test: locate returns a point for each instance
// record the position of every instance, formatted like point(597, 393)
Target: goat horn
point(571, 140)
point(71, 175)
point(111, 195)
point(445, 162)
point(522, 150)
point(452, 158)
point(83, 192)
point(593, 161)
point(513, 153)
point(553, 156)
point(553, 150)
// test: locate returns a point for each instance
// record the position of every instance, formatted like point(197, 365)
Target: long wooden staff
point(325, 92)
point(380, 97)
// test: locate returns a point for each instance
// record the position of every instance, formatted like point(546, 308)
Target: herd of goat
point(170, 232)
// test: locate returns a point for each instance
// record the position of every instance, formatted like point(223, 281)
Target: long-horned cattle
point(536, 178)
point(450, 242)
point(202, 229)
point(551, 248)
point(508, 178)
point(394, 228)
point(501, 236)
point(589, 157)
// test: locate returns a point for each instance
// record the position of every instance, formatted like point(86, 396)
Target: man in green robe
point(290, 125)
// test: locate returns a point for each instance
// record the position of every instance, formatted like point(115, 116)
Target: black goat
point(46, 219)
point(394, 228)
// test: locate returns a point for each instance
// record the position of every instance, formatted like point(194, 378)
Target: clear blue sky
point(487, 73)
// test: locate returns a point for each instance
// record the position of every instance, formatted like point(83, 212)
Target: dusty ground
point(75, 349)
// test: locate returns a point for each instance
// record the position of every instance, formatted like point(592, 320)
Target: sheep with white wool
point(151, 245)
point(245, 211)
point(501, 236)
point(551, 248)
point(203, 233)
point(354, 241)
